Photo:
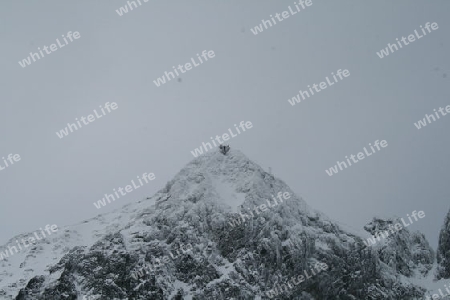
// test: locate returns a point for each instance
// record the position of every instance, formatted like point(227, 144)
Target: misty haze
point(228, 150)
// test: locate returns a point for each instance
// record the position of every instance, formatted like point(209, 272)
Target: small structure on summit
point(224, 149)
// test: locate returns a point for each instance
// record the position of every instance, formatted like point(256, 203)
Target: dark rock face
point(227, 262)
point(32, 288)
point(443, 251)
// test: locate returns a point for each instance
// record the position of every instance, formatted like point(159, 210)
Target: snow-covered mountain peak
point(248, 232)
point(230, 180)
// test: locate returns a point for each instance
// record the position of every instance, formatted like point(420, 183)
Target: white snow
point(229, 195)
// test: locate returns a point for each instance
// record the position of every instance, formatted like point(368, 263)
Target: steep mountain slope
point(443, 251)
point(256, 259)
point(19, 268)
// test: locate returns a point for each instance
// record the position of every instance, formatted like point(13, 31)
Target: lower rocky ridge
point(407, 253)
point(224, 263)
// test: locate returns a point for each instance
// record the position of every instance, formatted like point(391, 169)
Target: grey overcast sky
point(249, 79)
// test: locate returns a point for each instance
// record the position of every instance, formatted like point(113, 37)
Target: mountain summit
point(134, 253)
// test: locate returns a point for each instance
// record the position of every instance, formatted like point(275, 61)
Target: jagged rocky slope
point(443, 251)
point(407, 253)
point(226, 262)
